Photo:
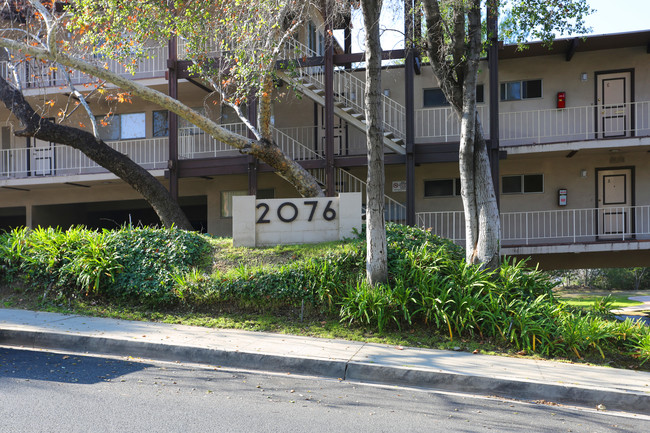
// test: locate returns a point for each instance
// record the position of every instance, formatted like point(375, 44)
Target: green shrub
point(430, 286)
point(131, 263)
point(150, 258)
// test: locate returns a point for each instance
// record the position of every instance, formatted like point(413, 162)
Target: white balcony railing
point(151, 153)
point(195, 143)
point(563, 226)
point(347, 141)
point(38, 74)
point(542, 126)
point(441, 124)
point(61, 160)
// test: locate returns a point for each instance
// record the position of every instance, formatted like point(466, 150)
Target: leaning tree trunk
point(265, 150)
point(376, 255)
point(141, 180)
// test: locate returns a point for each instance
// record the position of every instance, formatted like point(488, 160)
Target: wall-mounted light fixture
point(386, 92)
point(583, 173)
point(584, 76)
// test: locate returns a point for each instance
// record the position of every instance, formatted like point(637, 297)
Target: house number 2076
point(288, 212)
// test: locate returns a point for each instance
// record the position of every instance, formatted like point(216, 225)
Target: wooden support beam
point(572, 49)
point(172, 118)
point(492, 11)
point(409, 71)
point(182, 66)
point(330, 187)
point(253, 163)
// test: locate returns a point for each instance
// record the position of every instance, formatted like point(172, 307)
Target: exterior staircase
point(349, 99)
point(345, 182)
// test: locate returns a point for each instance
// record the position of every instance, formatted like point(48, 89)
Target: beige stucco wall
point(559, 172)
point(562, 172)
point(559, 75)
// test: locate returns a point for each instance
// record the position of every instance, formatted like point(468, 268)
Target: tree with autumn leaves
point(81, 35)
point(234, 46)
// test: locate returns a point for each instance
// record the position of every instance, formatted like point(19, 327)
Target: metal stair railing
point(349, 91)
point(345, 182)
point(194, 142)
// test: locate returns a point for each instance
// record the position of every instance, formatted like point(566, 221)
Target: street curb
point(627, 401)
point(168, 352)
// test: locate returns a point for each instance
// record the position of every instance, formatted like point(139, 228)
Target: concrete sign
point(268, 222)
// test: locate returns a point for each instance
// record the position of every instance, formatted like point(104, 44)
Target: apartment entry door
point(6, 160)
point(340, 134)
point(42, 158)
point(615, 214)
point(613, 101)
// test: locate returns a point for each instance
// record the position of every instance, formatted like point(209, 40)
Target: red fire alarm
point(561, 99)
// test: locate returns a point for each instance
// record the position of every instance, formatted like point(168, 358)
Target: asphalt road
point(54, 392)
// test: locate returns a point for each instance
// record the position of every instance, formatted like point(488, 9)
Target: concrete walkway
point(645, 306)
point(525, 379)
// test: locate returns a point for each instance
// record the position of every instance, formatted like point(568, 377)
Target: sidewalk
point(645, 306)
point(524, 379)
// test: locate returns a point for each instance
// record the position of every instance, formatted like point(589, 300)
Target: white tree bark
point(454, 48)
point(376, 255)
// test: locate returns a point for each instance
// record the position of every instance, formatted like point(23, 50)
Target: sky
point(611, 16)
point(617, 16)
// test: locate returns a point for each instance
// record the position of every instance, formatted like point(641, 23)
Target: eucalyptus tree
point(454, 40)
point(376, 248)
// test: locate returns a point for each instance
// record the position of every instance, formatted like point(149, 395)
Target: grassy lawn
point(585, 300)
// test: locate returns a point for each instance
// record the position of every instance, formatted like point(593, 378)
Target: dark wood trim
point(409, 101)
point(182, 66)
point(343, 59)
point(424, 154)
point(493, 66)
point(347, 36)
point(200, 85)
point(572, 49)
point(172, 118)
point(330, 188)
point(201, 167)
point(253, 163)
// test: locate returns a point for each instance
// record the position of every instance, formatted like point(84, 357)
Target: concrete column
point(29, 218)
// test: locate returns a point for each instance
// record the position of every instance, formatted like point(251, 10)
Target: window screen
point(527, 183)
point(510, 184)
point(161, 123)
point(226, 202)
point(133, 125)
point(516, 90)
point(434, 98)
point(533, 183)
point(439, 188)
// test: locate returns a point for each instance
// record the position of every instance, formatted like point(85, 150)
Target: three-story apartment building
point(574, 140)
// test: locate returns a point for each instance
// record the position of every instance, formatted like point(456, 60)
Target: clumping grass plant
point(431, 287)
